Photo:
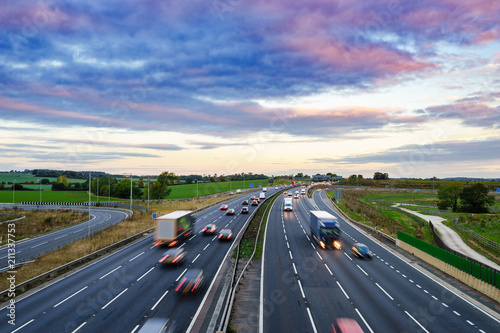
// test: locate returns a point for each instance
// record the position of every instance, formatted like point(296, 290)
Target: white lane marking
point(435, 298)
point(312, 246)
point(364, 321)
point(301, 290)
point(206, 247)
point(135, 329)
point(346, 296)
point(328, 269)
point(140, 254)
point(154, 306)
point(29, 322)
point(470, 323)
point(64, 300)
point(362, 270)
point(39, 244)
point(102, 277)
point(184, 271)
point(78, 328)
point(290, 253)
point(104, 307)
point(385, 292)
point(312, 321)
point(143, 275)
point(409, 315)
point(195, 258)
point(458, 314)
point(60, 237)
point(288, 245)
point(445, 305)
point(319, 255)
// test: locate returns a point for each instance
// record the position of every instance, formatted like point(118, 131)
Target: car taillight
point(180, 284)
point(196, 285)
point(220, 235)
point(205, 229)
point(165, 257)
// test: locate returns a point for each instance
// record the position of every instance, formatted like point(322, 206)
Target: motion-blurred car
point(225, 234)
point(360, 250)
point(244, 202)
point(174, 256)
point(244, 210)
point(276, 187)
point(223, 207)
point(209, 229)
point(157, 325)
point(191, 282)
point(255, 203)
point(252, 198)
point(285, 193)
point(230, 211)
point(346, 325)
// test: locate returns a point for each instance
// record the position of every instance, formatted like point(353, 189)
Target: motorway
point(305, 288)
point(31, 248)
point(119, 292)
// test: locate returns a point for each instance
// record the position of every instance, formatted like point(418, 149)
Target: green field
point(408, 198)
point(204, 189)
point(22, 178)
point(48, 196)
point(178, 192)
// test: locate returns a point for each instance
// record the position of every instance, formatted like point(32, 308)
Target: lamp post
point(97, 189)
point(90, 181)
point(197, 189)
point(14, 192)
point(109, 189)
point(40, 183)
point(148, 194)
point(130, 191)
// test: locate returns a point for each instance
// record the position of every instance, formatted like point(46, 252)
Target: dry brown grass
point(38, 222)
point(101, 239)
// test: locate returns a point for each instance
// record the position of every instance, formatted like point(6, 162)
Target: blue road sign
point(154, 215)
point(251, 185)
point(260, 184)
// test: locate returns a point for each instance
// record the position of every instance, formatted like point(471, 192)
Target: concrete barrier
point(471, 281)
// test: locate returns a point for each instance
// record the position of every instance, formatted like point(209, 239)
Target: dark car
point(209, 229)
point(252, 198)
point(255, 203)
point(244, 210)
point(225, 234)
point(244, 202)
point(174, 256)
point(230, 211)
point(191, 282)
point(360, 250)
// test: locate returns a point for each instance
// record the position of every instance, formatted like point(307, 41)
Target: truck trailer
point(173, 228)
point(288, 205)
point(325, 229)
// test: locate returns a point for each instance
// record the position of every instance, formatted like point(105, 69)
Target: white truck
point(174, 227)
point(262, 195)
point(288, 205)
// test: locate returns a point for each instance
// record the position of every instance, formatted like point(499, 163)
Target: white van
point(262, 195)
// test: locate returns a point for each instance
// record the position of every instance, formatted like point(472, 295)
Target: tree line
point(458, 197)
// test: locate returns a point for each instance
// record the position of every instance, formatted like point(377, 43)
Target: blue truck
point(325, 229)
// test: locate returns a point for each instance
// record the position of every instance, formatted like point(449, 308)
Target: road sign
point(251, 185)
point(260, 184)
point(154, 215)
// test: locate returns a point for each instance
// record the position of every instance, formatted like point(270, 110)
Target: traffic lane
point(319, 289)
point(341, 270)
point(283, 307)
point(436, 299)
point(71, 290)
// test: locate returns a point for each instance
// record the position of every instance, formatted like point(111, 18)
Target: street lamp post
point(197, 189)
point(109, 189)
point(90, 182)
point(130, 191)
point(148, 194)
point(97, 189)
point(14, 192)
point(40, 183)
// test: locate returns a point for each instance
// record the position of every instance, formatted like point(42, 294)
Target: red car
point(255, 203)
point(223, 207)
point(209, 229)
point(191, 282)
point(225, 234)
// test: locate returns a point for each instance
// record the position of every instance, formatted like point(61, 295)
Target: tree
point(63, 179)
point(222, 178)
point(353, 177)
point(122, 189)
point(448, 196)
point(380, 176)
point(159, 189)
point(189, 180)
point(299, 175)
point(360, 176)
point(475, 198)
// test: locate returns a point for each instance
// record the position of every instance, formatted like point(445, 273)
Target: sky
point(408, 88)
